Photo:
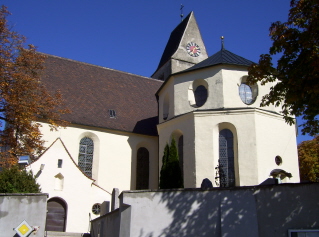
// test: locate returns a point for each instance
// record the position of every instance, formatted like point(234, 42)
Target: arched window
point(142, 168)
point(200, 95)
point(181, 153)
point(86, 155)
point(226, 158)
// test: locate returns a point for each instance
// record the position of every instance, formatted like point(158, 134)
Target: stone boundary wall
point(259, 211)
point(17, 207)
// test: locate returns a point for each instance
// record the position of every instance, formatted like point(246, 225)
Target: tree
point(171, 174)
point(13, 180)
point(24, 98)
point(164, 180)
point(308, 154)
point(297, 70)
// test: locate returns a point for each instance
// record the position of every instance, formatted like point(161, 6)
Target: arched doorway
point(56, 215)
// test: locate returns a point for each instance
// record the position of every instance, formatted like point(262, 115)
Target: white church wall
point(184, 125)
point(76, 190)
point(273, 132)
point(208, 125)
point(223, 90)
point(114, 152)
point(253, 131)
point(184, 90)
point(166, 108)
point(232, 78)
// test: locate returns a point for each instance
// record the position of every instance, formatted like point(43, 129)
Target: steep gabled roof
point(91, 91)
point(174, 41)
point(222, 57)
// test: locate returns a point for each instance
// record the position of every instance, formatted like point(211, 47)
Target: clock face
point(193, 49)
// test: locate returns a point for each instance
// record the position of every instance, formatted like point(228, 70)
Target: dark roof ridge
point(106, 68)
point(223, 56)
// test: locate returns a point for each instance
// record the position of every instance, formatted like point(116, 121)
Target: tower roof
point(222, 57)
point(174, 41)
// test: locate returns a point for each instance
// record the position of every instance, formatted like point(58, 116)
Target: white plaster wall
point(183, 83)
point(184, 125)
point(16, 207)
point(167, 90)
point(231, 79)
point(242, 124)
point(273, 132)
point(78, 191)
point(223, 89)
point(255, 144)
point(258, 211)
point(114, 162)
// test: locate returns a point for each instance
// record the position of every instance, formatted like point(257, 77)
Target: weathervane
point(182, 15)
point(222, 39)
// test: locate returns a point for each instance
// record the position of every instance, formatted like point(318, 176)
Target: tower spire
point(182, 15)
point(222, 41)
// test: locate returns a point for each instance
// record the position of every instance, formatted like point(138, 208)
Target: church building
point(120, 124)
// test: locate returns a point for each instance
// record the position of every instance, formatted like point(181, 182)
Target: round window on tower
point(198, 93)
point(247, 93)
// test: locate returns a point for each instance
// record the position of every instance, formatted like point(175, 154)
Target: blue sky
point(131, 35)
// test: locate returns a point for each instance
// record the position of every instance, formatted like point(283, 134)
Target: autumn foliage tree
point(297, 72)
point(24, 99)
point(308, 154)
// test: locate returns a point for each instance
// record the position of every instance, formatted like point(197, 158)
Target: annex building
point(120, 124)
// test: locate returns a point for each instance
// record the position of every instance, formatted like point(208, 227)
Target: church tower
point(184, 49)
point(222, 132)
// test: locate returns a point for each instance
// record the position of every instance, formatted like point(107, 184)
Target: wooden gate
point(56, 215)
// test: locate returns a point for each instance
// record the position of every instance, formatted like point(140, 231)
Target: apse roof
point(103, 97)
point(174, 41)
point(221, 57)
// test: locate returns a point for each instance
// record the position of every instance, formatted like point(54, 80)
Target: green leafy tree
point(13, 180)
point(308, 154)
point(297, 72)
point(23, 97)
point(171, 174)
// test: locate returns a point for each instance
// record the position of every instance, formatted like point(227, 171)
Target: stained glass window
point(86, 155)
point(226, 158)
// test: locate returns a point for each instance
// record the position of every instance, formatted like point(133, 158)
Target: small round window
point(278, 160)
point(96, 208)
point(198, 93)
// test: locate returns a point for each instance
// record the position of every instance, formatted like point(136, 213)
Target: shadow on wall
point(147, 126)
point(247, 211)
point(210, 213)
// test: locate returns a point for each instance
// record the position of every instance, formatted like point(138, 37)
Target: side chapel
point(120, 124)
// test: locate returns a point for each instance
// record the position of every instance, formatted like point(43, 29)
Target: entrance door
point(56, 215)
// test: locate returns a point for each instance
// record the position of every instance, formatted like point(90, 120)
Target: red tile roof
point(91, 91)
